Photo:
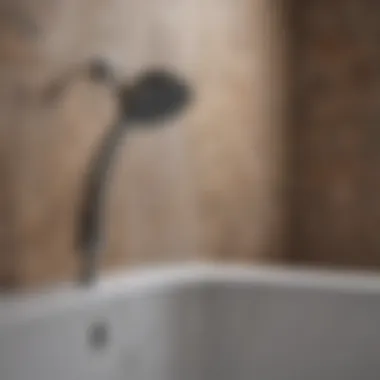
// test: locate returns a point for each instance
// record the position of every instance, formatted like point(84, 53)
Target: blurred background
point(276, 160)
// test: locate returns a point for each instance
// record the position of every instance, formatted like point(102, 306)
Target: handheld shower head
point(155, 96)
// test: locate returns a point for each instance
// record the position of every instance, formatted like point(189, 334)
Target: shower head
point(155, 96)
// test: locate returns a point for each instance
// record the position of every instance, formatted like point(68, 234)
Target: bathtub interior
point(197, 323)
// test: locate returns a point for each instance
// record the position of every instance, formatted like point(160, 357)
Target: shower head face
point(157, 95)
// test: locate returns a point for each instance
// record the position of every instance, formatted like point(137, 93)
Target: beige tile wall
point(207, 187)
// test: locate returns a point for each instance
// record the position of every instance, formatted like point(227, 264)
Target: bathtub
point(197, 322)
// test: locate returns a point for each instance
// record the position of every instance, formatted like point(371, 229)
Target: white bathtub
point(197, 322)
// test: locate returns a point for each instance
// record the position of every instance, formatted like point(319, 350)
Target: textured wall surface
point(337, 155)
point(207, 187)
